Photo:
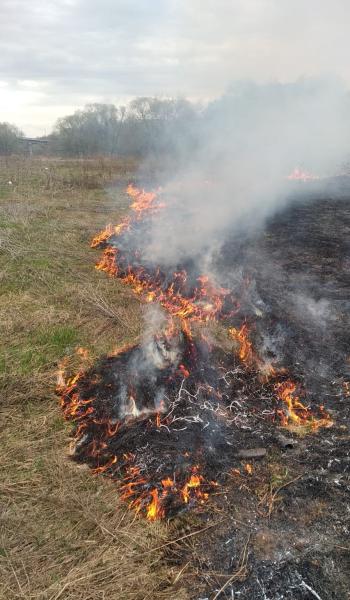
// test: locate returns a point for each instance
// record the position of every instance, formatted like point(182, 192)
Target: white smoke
point(248, 142)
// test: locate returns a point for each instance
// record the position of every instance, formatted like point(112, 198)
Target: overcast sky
point(57, 55)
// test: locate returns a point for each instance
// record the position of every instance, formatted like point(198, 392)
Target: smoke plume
point(247, 143)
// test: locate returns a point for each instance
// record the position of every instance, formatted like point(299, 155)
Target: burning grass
point(170, 419)
point(64, 534)
point(254, 484)
point(146, 396)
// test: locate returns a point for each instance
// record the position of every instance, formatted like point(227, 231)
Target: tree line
point(307, 121)
point(145, 126)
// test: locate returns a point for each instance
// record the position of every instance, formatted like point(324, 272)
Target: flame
point(108, 262)
point(299, 175)
point(245, 350)
point(152, 502)
point(201, 301)
point(295, 413)
point(193, 483)
point(154, 510)
point(246, 353)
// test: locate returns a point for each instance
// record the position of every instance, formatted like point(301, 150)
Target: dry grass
point(64, 533)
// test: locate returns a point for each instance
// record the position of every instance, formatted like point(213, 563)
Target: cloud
point(83, 51)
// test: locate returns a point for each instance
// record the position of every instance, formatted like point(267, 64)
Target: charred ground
point(292, 512)
point(276, 522)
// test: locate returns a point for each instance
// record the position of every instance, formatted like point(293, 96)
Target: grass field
point(64, 533)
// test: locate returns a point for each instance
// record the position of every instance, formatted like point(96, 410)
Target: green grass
point(44, 347)
point(59, 338)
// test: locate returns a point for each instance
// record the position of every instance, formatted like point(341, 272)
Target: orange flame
point(245, 350)
point(299, 175)
point(246, 353)
point(296, 413)
point(204, 304)
point(154, 509)
point(248, 468)
point(206, 300)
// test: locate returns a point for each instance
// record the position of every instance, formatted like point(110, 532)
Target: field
point(64, 533)
point(274, 527)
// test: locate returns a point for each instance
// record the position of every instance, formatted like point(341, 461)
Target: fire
point(153, 502)
point(300, 175)
point(194, 482)
point(153, 510)
point(187, 300)
point(204, 304)
point(108, 262)
point(248, 468)
point(295, 413)
point(245, 350)
point(246, 353)
point(202, 301)
point(135, 487)
point(142, 201)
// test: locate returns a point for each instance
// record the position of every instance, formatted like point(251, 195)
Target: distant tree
point(87, 132)
point(165, 124)
point(9, 135)
point(146, 126)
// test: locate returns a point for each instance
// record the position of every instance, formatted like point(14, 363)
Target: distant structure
point(30, 142)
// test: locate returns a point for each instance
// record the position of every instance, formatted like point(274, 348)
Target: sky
point(58, 55)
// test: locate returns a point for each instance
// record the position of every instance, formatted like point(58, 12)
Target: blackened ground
point(202, 418)
point(292, 515)
point(298, 296)
point(276, 527)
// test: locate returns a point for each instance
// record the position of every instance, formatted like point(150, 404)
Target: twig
point(271, 496)
point(241, 571)
point(183, 537)
point(315, 594)
point(180, 572)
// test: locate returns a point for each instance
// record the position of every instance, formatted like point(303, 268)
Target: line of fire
point(169, 419)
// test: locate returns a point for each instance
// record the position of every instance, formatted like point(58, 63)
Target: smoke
point(155, 353)
point(247, 142)
point(221, 198)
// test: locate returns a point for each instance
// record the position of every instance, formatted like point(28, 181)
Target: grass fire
point(160, 417)
point(208, 398)
point(174, 300)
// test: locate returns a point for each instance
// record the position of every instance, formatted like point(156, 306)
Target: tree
point(147, 126)
point(9, 135)
point(91, 131)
